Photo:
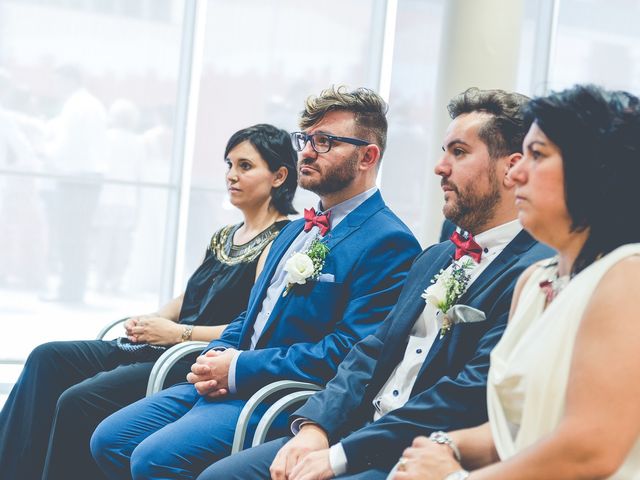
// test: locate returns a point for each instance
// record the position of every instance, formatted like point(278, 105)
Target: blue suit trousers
point(173, 434)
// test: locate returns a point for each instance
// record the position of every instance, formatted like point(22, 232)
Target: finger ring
point(402, 464)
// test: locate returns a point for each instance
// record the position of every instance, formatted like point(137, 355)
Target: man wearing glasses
point(329, 281)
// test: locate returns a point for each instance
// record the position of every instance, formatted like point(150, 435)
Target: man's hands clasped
point(210, 373)
point(304, 457)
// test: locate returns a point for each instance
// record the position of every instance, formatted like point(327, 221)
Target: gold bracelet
point(186, 333)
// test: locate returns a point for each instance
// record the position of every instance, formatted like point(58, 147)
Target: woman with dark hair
point(563, 385)
point(67, 388)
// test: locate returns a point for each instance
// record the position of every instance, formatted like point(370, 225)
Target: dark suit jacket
point(450, 390)
point(313, 327)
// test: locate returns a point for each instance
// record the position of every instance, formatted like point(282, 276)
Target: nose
point(442, 167)
point(308, 151)
point(518, 172)
point(231, 175)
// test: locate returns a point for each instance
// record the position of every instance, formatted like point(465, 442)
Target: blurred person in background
point(21, 240)
point(118, 210)
point(75, 150)
point(67, 388)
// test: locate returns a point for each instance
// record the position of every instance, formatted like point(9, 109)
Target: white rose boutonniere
point(299, 267)
point(447, 287)
point(303, 266)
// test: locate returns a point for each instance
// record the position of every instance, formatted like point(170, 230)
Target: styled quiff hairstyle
point(368, 108)
point(505, 129)
point(598, 134)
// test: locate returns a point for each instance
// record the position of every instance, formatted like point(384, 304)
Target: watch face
point(440, 438)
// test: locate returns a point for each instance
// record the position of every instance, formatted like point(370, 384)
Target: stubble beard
point(472, 210)
point(333, 179)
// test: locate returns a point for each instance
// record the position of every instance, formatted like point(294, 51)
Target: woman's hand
point(426, 460)
point(154, 330)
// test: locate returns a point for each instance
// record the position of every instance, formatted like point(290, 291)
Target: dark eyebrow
point(241, 159)
point(454, 142)
point(539, 142)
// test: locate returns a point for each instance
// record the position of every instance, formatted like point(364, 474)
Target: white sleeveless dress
point(530, 365)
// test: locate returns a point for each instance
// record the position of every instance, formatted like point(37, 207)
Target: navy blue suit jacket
point(314, 326)
point(450, 390)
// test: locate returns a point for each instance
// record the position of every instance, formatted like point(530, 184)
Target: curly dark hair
point(274, 146)
point(598, 134)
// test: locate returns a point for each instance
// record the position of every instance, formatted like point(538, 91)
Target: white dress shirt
point(397, 390)
point(279, 279)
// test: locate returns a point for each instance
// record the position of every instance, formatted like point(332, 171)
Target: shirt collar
point(498, 237)
point(342, 209)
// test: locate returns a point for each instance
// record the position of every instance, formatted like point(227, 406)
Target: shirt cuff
point(338, 460)
point(231, 379)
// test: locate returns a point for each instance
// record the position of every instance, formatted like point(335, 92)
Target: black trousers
point(64, 391)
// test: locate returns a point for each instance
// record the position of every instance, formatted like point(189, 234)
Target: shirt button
point(419, 351)
point(486, 250)
point(396, 393)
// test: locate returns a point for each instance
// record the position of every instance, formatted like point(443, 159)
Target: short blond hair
point(368, 108)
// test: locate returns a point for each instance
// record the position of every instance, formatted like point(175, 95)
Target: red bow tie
point(466, 246)
point(311, 219)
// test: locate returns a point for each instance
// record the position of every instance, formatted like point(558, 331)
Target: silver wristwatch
point(457, 475)
point(443, 439)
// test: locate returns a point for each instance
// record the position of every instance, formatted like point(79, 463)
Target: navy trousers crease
point(63, 392)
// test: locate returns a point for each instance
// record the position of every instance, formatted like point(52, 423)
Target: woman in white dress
point(564, 384)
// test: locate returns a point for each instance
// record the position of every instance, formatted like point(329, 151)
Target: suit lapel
point(405, 317)
point(504, 260)
point(346, 227)
point(355, 219)
point(522, 242)
point(275, 256)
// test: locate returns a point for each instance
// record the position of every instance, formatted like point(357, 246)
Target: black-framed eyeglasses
point(321, 142)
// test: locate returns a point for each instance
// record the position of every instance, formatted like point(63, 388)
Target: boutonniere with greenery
point(447, 287)
point(303, 266)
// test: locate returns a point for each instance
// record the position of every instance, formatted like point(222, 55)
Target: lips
point(447, 187)
point(305, 169)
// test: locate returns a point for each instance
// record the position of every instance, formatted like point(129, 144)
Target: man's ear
point(371, 156)
point(511, 161)
point(279, 177)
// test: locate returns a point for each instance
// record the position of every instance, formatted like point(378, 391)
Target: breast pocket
point(319, 305)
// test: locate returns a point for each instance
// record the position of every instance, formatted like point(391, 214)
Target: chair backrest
point(301, 391)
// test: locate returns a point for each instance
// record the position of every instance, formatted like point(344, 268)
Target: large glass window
point(406, 164)
point(87, 100)
point(597, 42)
